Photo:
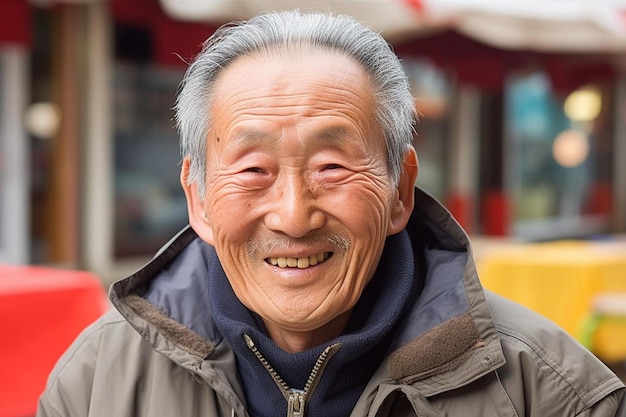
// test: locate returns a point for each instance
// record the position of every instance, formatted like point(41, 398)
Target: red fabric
point(460, 206)
point(15, 22)
point(495, 213)
point(417, 5)
point(487, 67)
point(42, 311)
point(175, 42)
point(472, 62)
point(601, 199)
point(136, 12)
point(567, 75)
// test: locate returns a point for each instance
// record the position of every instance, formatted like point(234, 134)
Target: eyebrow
point(333, 133)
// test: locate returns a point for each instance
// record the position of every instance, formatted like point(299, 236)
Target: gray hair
point(289, 30)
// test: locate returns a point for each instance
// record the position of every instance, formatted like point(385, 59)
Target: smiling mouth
point(299, 262)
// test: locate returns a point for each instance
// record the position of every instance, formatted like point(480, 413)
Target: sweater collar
point(364, 344)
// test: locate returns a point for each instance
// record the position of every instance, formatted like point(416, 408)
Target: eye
point(333, 173)
point(253, 177)
point(255, 170)
point(332, 166)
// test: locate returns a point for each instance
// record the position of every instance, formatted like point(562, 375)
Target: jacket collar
point(450, 333)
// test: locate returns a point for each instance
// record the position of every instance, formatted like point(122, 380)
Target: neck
point(298, 341)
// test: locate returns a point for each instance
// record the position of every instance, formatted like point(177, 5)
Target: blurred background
point(522, 136)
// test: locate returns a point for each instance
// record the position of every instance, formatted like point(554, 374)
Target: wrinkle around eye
point(335, 174)
point(253, 177)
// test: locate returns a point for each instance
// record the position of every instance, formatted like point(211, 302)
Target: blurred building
point(522, 118)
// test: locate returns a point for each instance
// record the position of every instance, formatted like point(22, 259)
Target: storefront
point(537, 136)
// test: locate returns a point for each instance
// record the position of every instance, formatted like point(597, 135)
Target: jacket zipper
point(296, 399)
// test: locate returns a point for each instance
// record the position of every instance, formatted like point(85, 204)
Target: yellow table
point(559, 280)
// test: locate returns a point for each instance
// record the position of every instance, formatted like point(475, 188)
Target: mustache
point(256, 247)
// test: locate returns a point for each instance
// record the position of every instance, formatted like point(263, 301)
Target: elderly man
point(314, 278)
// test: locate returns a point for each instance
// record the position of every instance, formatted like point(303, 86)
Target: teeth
point(299, 262)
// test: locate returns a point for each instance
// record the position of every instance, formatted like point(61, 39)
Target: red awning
point(486, 66)
point(15, 22)
point(178, 28)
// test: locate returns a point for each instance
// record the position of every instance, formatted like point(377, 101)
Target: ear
point(405, 194)
point(196, 208)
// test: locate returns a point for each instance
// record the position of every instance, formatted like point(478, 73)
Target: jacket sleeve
point(621, 412)
point(608, 405)
point(547, 372)
point(69, 387)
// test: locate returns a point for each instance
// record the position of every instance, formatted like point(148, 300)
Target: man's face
point(299, 198)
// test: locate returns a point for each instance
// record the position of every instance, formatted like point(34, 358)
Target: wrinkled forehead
point(322, 92)
point(300, 76)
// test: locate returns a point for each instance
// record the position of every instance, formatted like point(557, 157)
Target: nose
point(294, 210)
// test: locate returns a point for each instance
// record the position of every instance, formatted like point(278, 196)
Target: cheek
point(232, 229)
point(230, 216)
point(222, 197)
point(363, 207)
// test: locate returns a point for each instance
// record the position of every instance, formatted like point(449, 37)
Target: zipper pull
point(295, 405)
